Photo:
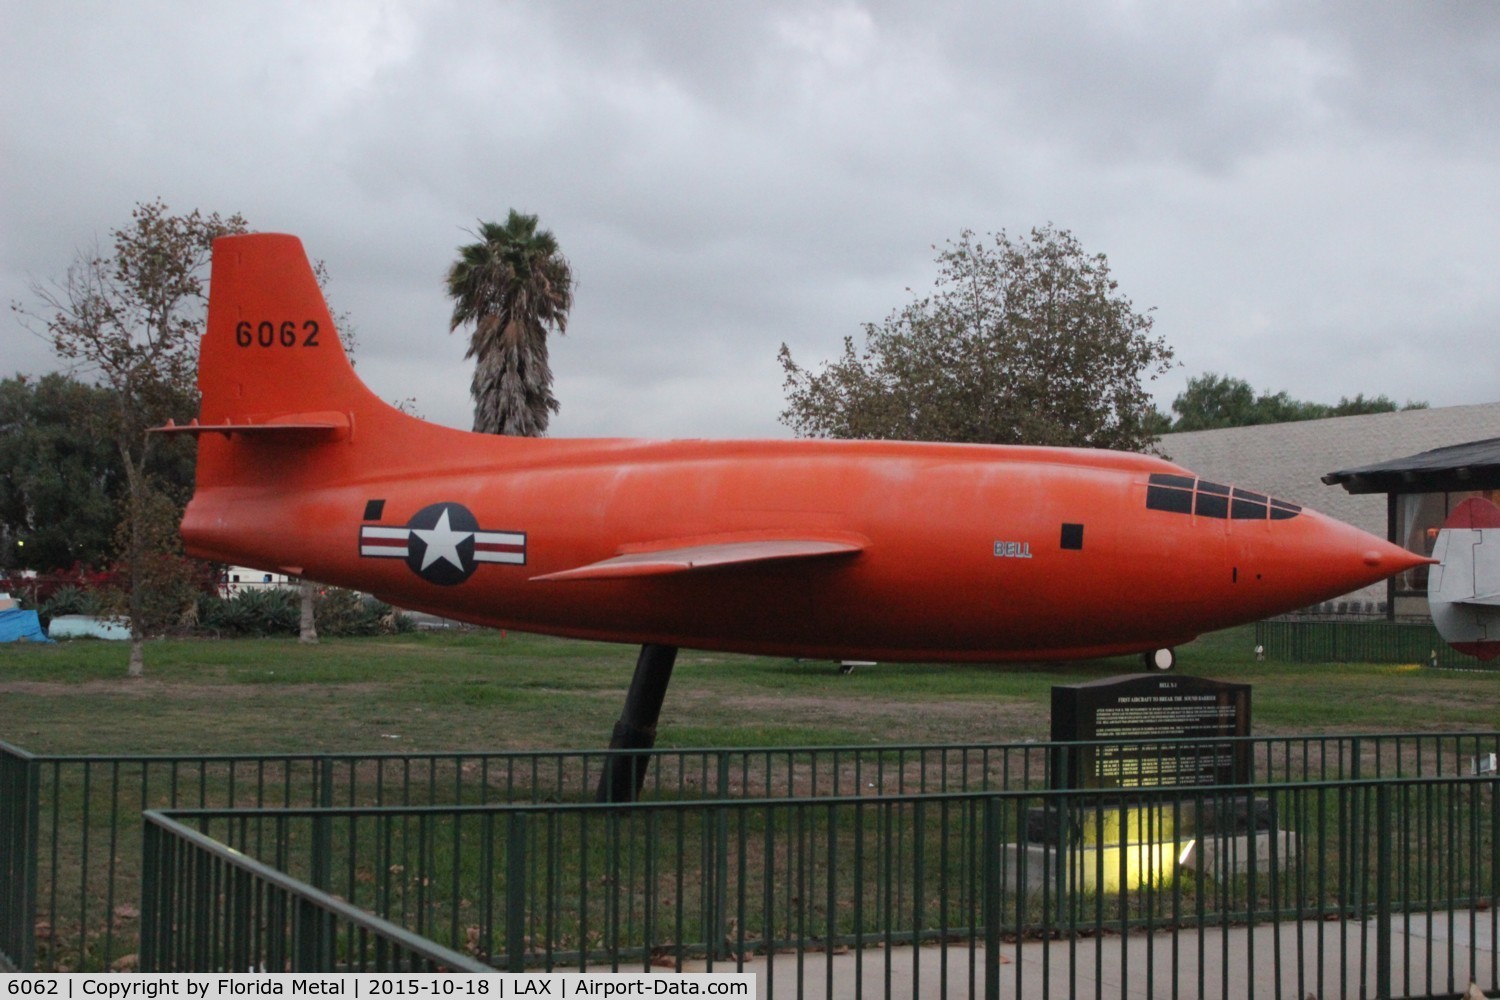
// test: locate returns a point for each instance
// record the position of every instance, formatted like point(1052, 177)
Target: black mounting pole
point(625, 773)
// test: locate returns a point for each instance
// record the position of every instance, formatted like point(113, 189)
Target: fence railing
point(245, 916)
point(1300, 640)
point(1382, 884)
point(70, 826)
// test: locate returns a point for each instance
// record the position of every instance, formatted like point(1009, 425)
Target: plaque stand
point(1152, 746)
point(1129, 845)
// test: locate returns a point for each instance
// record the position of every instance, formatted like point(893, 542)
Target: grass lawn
point(481, 690)
point(485, 691)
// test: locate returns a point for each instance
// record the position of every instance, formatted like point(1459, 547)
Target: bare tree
point(131, 318)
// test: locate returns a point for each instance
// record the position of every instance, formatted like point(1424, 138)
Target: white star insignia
point(442, 542)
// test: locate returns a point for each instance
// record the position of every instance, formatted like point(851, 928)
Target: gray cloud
point(1306, 193)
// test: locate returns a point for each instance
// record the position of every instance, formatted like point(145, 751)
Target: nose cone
point(1390, 559)
point(1344, 558)
point(1316, 558)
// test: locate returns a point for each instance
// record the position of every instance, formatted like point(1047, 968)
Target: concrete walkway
point(1319, 959)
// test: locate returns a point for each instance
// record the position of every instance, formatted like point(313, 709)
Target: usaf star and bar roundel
point(442, 543)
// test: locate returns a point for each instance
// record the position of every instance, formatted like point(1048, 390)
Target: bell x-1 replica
point(837, 550)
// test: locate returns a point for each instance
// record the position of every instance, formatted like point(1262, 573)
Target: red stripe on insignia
point(384, 543)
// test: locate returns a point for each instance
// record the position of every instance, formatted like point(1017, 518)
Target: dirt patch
point(145, 687)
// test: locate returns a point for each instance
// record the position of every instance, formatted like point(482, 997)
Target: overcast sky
point(1308, 194)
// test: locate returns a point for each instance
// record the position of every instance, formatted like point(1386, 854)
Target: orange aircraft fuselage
point(829, 549)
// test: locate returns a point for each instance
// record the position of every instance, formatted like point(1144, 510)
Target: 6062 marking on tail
point(288, 333)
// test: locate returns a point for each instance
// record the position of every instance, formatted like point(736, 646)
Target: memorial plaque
point(1147, 707)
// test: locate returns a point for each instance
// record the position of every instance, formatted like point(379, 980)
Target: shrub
point(68, 600)
point(261, 612)
point(277, 611)
point(75, 600)
point(90, 591)
point(170, 603)
point(347, 612)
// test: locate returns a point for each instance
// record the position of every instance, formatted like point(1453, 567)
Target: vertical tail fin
point(1464, 588)
point(274, 378)
point(271, 348)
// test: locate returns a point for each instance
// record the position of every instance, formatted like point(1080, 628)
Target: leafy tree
point(60, 479)
point(1359, 405)
point(132, 318)
point(1024, 341)
point(1213, 401)
point(513, 285)
point(62, 484)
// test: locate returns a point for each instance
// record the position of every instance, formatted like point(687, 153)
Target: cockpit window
point(1247, 506)
point(1166, 498)
point(1185, 495)
point(1281, 510)
point(1212, 504)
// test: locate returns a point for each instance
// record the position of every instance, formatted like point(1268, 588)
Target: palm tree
point(513, 285)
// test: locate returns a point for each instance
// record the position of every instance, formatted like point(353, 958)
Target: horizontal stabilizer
point(325, 426)
point(1463, 591)
point(712, 555)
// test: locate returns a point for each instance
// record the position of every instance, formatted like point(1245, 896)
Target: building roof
point(1474, 465)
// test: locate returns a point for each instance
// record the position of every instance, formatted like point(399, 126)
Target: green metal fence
point(1364, 872)
point(70, 826)
point(19, 814)
point(1300, 640)
point(245, 916)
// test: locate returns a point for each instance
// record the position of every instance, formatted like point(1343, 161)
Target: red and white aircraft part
point(1464, 589)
